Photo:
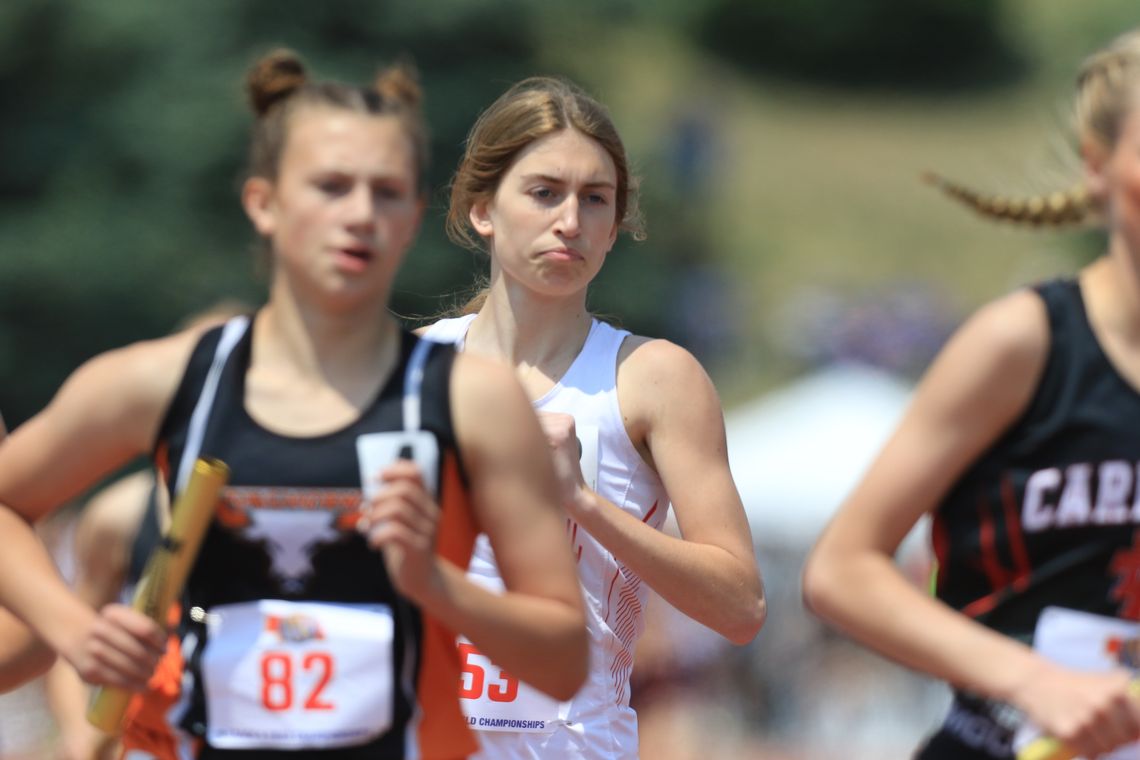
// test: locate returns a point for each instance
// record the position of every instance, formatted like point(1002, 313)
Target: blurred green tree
point(882, 43)
point(124, 145)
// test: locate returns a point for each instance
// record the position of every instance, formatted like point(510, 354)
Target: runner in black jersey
point(321, 614)
point(1023, 439)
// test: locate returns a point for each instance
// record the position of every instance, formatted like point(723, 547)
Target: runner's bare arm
point(104, 536)
point(982, 380)
point(537, 630)
point(23, 656)
point(674, 416)
point(106, 413)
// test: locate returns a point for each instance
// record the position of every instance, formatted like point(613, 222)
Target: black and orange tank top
point(292, 637)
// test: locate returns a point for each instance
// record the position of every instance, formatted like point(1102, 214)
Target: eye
point(334, 185)
point(388, 192)
point(542, 193)
point(597, 199)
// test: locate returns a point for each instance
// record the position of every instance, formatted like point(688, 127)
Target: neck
point(312, 341)
point(529, 330)
point(1114, 282)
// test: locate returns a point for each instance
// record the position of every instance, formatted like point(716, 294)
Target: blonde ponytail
point(1063, 208)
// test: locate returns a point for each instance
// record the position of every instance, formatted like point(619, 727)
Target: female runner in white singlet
point(634, 423)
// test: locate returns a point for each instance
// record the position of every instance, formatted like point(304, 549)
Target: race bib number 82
point(291, 675)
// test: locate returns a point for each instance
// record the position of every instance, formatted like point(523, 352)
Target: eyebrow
point(351, 173)
point(559, 181)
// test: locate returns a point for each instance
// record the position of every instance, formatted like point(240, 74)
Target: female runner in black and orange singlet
point(320, 617)
point(1023, 440)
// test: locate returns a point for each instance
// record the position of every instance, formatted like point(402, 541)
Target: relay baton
point(165, 573)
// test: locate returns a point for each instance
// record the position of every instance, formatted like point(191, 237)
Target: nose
point(360, 209)
point(569, 223)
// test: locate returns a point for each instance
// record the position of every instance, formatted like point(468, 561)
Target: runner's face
point(1122, 179)
point(344, 207)
point(552, 219)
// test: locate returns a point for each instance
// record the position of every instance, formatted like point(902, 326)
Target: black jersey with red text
point(1049, 515)
point(284, 531)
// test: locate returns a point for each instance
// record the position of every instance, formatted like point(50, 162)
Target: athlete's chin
point(559, 291)
point(562, 280)
point(339, 295)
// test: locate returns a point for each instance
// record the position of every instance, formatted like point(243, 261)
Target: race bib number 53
point(493, 700)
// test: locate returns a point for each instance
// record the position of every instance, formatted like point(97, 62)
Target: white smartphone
point(375, 451)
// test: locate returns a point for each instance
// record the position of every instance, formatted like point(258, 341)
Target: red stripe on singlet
point(650, 513)
point(625, 621)
point(983, 605)
point(999, 577)
point(1013, 530)
point(617, 573)
point(941, 544)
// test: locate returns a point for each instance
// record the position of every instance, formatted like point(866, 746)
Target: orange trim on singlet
point(443, 733)
point(146, 728)
point(162, 460)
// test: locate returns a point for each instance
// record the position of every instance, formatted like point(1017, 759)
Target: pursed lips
point(562, 253)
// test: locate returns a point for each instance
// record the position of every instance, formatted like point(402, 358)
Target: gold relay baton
point(1048, 748)
point(165, 573)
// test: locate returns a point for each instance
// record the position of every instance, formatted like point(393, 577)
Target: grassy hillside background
point(792, 230)
point(816, 193)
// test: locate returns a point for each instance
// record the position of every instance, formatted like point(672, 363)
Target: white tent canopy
point(798, 451)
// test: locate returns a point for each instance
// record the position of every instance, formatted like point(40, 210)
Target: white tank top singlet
point(597, 723)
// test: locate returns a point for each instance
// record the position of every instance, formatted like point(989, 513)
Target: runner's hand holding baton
point(166, 572)
point(1048, 748)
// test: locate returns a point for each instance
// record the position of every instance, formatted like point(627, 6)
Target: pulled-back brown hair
point(1108, 84)
point(278, 84)
point(528, 111)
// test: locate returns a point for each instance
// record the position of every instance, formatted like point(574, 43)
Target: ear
point(613, 237)
point(1095, 157)
point(480, 217)
point(421, 205)
point(257, 200)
